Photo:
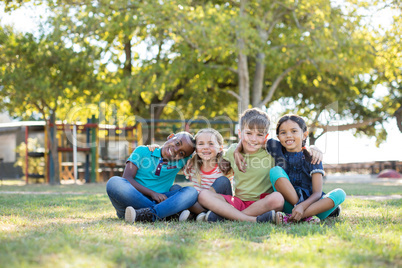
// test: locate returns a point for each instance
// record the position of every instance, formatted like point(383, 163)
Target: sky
point(338, 147)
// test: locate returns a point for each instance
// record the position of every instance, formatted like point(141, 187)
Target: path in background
point(361, 178)
point(341, 178)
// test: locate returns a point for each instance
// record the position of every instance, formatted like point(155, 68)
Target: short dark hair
point(255, 119)
point(189, 137)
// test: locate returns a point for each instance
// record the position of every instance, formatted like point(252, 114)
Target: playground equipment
point(84, 152)
point(85, 138)
point(158, 130)
point(73, 139)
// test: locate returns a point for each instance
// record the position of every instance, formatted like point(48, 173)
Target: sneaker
point(201, 216)
point(312, 220)
point(269, 216)
point(143, 214)
point(184, 215)
point(129, 216)
point(336, 212)
point(212, 217)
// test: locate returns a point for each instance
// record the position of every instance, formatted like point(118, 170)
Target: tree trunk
point(53, 152)
point(256, 94)
point(127, 64)
point(398, 115)
point(244, 83)
point(312, 139)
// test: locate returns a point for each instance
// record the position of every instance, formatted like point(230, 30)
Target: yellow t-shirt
point(250, 185)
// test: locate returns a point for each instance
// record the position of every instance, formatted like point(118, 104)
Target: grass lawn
point(75, 226)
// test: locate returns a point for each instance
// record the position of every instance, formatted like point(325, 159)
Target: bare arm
point(298, 211)
point(239, 159)
point(129, 174)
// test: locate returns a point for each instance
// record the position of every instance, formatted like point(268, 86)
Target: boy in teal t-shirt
point(142, 193)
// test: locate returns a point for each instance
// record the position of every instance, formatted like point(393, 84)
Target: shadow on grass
point(84, 230)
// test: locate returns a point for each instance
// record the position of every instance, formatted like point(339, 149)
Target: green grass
point(365, 188)
point(70, 230)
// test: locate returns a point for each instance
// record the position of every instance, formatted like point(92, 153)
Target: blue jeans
point(337, 195)
point(221, 185)
point(122, 194)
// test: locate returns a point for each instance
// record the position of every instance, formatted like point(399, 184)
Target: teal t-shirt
point(152, 172)
point(250, 185)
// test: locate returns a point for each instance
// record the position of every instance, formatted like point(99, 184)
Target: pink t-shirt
point(207, 178)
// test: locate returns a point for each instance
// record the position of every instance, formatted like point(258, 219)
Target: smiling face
point(207, 146)
point(252, 140)
point(178, 147)
point(291, 136)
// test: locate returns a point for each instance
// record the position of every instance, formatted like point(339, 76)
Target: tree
point(387, 68)
point(251, 52)
point(42, 75)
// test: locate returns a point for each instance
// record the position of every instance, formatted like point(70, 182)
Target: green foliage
point(43, 74)
point(171, 59)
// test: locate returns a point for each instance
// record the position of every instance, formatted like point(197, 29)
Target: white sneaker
point(184, 215)
point(130, 214)
point(201, 216)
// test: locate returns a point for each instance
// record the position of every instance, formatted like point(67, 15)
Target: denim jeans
point(122, 194)
point(221, 185)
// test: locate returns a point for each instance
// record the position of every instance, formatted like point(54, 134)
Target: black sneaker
point(143, 214)
point(212, 217)
point(267, 217)
point(336, 212)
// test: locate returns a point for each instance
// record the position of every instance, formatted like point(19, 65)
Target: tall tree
point(43, 74)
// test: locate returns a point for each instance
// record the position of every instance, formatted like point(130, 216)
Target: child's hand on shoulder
point(316, 154)
point(188, 166)
point(239, 159)
point(225, 166)
point(152, 147)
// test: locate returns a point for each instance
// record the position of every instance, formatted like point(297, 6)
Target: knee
point(275, 173)
point(222, 185)
point(190, 191)
point(175, 187)
point(222, 181)
point(276, 201)
point(204, 195)
point(113, 184)
point(339, 196)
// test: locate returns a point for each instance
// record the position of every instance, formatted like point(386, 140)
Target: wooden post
point(46, 154)
point(94, 146)
point(139, 134)
point(26, 154)
point(88, 132)
point(75, 168)
point(60, 154)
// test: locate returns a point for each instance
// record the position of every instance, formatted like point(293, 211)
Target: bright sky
point(338, 147)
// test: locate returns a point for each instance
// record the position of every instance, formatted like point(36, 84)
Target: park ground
point(75, 226)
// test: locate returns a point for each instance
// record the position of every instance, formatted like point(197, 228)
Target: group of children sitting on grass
point(256, 180)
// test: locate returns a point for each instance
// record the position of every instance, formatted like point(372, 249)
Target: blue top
point(152, 172)
point(296, 167)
